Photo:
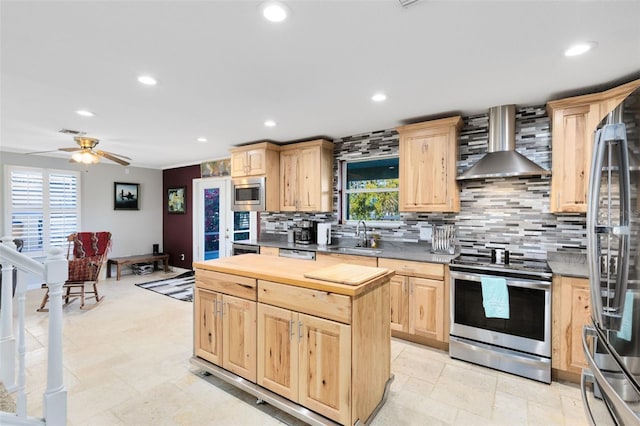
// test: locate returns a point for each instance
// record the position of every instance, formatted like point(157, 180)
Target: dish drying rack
point(443, 239)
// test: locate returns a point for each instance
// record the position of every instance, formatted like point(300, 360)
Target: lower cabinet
point(419, 299)
point(399, 295)
point(325, 351)
point(570, 312)
point(305, 359)
point(226, 332)
point(426, 308)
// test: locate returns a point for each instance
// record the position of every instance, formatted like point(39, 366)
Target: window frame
point(47, 209)
point(396, 223)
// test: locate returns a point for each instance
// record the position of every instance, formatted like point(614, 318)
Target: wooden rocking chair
point(89, 254)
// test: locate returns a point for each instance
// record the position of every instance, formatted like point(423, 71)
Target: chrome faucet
point(364, 242)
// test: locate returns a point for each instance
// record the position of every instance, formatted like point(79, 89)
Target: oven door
point(528, 328)
point(248, 194)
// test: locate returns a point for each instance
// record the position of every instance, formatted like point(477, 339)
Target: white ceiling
point(223, 70)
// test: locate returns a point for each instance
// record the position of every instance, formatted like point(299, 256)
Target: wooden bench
point(130, 260)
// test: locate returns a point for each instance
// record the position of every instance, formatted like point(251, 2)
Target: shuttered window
point(44, 207)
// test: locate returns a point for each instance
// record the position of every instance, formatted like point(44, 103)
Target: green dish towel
point(495, 297)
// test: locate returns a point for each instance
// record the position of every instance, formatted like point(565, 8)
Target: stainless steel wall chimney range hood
point(502, 159)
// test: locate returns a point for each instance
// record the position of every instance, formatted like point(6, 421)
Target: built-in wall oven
point(518, 343)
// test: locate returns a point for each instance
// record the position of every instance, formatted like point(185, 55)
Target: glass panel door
point(211, 223)
point(215, 226)
point(241, 225)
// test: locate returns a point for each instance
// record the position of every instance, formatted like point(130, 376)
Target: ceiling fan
point(86, 154)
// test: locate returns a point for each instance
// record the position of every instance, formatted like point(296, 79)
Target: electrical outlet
point(425, 233)
point(181, 256)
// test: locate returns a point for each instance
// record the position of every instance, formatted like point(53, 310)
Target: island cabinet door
point(208, 326)
point(325, 367)
point(239, 337)
point(426, 304)
point(278, 350)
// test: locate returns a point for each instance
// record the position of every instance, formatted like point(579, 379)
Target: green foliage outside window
point(372, 190)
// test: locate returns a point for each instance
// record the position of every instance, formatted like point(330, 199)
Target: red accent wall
point(177, 229)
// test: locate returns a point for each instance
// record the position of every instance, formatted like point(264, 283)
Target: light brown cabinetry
point(255, 160)
point(419, 299)
point(428, 155)
point(573, 123)
point(305, 359)
point(570, 312)
point(315, 341)
point(226, 325)
point(306, 176)
point(269, 251)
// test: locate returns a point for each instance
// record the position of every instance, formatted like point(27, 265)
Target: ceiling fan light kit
point(85, 157)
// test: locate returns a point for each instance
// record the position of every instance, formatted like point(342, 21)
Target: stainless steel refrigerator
point(611, 384)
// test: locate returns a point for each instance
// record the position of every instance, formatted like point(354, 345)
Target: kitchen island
point(319, 349)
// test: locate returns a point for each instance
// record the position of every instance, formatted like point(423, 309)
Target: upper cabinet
point(306, 177)
point(428, 155)
point(573, 122)
point(255, 160)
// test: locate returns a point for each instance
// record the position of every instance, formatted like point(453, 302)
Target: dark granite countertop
point(569, 265)
point(420, 252)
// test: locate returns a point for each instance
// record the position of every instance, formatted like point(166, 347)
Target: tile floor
point(127, 363)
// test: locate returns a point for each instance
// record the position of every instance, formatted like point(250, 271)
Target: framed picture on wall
point(177, 200)
point(125, 196)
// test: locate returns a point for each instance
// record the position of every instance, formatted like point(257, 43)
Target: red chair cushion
point(88, 244)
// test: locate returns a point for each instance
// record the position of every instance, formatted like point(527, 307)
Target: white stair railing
point(54, 271)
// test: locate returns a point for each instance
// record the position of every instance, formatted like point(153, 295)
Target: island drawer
point(322, 304)
point(415, 269)
point(233, 285)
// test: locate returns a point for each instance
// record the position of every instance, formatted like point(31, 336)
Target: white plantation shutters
point(44, 206)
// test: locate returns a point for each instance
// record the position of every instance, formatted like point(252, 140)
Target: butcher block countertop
point(356, 280)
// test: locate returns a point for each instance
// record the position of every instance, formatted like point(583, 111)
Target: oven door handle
point(538, 285)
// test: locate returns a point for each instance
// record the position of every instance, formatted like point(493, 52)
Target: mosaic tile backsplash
point(510, 213)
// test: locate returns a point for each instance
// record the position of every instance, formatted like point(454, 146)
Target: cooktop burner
point(482, 264)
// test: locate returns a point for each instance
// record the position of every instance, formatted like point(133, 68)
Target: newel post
point(55, 396)
point(7, 339)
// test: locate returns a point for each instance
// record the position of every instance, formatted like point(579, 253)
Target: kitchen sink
point(356, 250)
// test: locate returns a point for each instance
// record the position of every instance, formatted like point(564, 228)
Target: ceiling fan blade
point(70, 149)
point(112, 158)
point(114, 154)
point(40, 152)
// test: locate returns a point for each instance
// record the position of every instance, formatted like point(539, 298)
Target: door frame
point(226, 216)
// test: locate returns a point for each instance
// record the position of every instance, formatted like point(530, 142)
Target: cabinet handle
point(290, 329)
point(299, 330)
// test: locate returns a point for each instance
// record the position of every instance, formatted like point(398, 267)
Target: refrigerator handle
point(587, 377)
point(593, 251)
point(610, 316)
point(619, 132)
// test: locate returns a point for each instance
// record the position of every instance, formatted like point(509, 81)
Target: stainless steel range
point(517, 342)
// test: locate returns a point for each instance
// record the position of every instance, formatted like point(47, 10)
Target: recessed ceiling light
point(379, 97)
point(148, 80)
point(85, 113)
point(274, 11)
point(201, 140)
point(270, 123)
point(579, 49)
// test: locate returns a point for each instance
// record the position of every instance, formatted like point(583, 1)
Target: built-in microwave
point(248, 194)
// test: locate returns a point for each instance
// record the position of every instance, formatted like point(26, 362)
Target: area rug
point(179, 287)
